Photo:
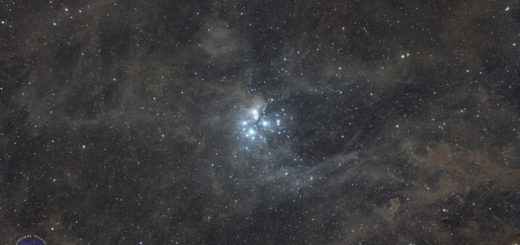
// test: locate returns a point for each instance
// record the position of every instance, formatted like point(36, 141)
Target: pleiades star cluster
point(260, 122)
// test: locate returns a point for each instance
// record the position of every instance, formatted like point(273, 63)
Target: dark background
point(120, 120)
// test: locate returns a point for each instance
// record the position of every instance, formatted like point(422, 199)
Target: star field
point(260, 122)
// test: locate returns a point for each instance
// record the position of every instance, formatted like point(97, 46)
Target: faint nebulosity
point(260, 122)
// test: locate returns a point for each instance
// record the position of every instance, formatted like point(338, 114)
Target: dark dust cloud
point(260, 122)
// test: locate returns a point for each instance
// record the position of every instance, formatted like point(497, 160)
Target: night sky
point(260, 122)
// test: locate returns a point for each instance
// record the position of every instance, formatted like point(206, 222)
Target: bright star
point(255, 114)
point(252, 131)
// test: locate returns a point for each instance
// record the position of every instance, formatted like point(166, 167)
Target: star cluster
point(256, 126)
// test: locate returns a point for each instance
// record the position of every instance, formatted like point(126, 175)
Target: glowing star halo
point(255, 114)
